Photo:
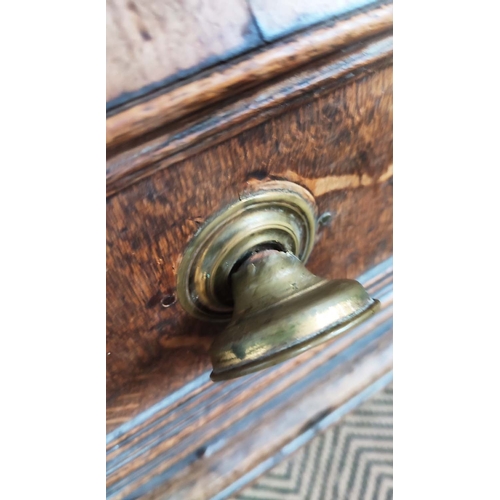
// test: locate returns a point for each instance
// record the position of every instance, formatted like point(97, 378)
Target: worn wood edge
point(139, 462)
point(249, 72)
point(138, 163)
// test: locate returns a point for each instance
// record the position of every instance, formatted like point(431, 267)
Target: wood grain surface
point(150, 43)
point(210, 439)
point(231, 79)
point(251, 109)
point(339, 145)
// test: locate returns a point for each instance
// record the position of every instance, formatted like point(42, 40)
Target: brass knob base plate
point(280, 215)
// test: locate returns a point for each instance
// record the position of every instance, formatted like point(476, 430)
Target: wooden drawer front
point(186, 137)
point(337, 143)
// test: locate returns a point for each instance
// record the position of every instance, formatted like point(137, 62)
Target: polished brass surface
point(246, 264)
point(281, 310)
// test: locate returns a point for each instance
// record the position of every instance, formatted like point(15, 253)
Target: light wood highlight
point(150, 43)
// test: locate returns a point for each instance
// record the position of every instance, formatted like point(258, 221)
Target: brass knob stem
point(267, 278)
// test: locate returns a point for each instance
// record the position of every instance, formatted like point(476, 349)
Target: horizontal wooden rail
point(249, 72)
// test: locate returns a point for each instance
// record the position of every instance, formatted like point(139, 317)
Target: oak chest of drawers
point(208, 101)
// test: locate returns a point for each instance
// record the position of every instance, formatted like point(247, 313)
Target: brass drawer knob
point(245, 266)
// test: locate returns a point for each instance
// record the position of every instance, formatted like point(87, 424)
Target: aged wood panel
point(217, 125)
point(339, 145)
point(215, 437)
point(281, 17)
point(233, 78)
point(150, 43)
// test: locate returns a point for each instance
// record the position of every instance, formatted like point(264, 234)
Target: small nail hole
point(325, 219)
point(168, 300)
